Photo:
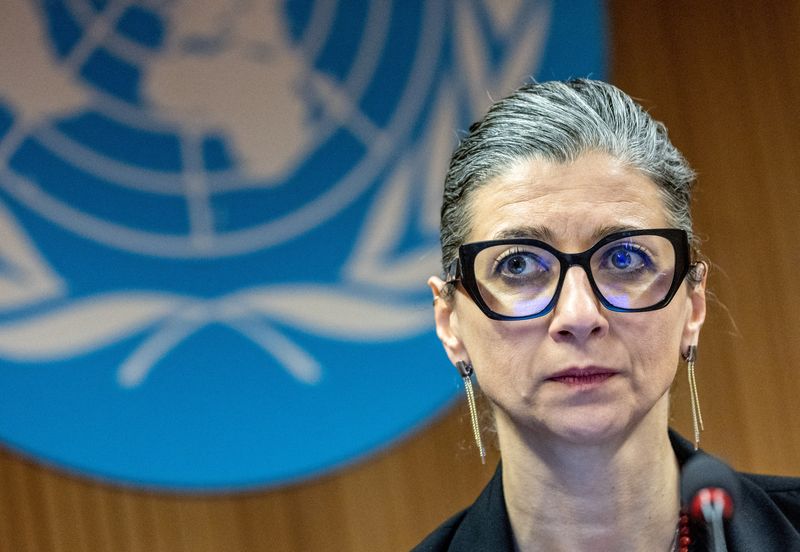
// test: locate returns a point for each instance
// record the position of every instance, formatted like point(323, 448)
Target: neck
point(619, 495)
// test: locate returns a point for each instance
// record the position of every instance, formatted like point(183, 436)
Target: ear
point(697, 308)
point(446, 322)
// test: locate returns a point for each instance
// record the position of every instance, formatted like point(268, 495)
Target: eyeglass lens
point(521, 280)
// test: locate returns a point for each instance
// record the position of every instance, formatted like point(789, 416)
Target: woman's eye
point(627, 259)
point(520, 264)
point(516, 264)
point(622, 259)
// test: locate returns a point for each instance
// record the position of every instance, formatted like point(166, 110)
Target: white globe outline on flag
point(195, 184)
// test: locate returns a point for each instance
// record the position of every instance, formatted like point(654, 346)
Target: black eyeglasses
point(521, 278)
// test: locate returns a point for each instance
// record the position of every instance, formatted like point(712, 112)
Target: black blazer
point(766, 517)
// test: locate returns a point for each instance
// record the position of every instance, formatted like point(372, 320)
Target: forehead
point(566, 203)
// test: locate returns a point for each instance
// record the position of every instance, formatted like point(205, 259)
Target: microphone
point(709, 490)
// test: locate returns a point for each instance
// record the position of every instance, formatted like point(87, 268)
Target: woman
point(570, 291)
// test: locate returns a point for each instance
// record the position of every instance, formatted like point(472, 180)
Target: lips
point(583, 376)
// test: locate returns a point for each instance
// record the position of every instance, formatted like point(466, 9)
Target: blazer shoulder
point(774, 483)
point(783, 491)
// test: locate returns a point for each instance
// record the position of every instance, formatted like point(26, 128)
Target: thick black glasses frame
point(463, 268)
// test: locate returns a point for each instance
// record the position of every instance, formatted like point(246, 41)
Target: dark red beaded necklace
point(683, 538)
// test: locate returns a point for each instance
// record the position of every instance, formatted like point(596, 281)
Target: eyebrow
point(544, 233)
point(532, 232)
point(604, 231)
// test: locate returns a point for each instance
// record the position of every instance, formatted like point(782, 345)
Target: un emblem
point(217, 218)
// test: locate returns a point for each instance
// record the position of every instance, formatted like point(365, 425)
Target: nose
point(578, 314)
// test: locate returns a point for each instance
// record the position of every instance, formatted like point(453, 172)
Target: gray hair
point(558, 122)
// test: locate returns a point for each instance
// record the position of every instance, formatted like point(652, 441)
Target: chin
point(588, 428)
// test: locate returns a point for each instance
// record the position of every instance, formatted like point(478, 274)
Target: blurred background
point(153, 255)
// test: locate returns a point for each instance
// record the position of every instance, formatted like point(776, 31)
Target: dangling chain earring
point(697, 417)
point(465, 369)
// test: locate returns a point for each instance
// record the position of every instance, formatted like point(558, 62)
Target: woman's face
point(520, 365)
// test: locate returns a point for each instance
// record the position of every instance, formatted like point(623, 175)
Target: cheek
point(501, 354)
point(654, 345)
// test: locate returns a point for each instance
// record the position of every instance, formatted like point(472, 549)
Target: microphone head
point(704, 478)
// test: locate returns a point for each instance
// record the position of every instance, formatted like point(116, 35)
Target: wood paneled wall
point(725, 77)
